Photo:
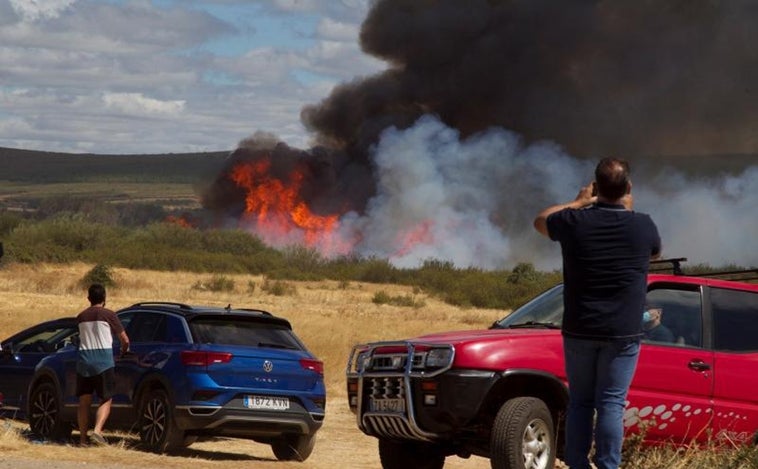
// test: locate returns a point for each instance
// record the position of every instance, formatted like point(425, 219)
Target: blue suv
point(194, 372)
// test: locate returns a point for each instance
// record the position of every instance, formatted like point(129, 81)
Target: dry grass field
point(330, 318)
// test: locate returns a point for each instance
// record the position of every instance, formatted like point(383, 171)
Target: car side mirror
point(75, 340)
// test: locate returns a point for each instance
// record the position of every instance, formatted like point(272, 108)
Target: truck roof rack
point(742, 275)
point(675, 265)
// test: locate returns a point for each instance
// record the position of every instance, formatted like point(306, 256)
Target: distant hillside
point(37, 167)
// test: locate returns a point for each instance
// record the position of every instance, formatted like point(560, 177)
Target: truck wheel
point(410, 454)
point(293, 447)
point(523, 436)
point(45, 413)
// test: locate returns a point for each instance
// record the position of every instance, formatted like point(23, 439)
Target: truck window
point(682, 312)
point(735, 319)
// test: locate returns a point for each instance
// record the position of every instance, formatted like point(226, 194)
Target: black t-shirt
point(606, 253)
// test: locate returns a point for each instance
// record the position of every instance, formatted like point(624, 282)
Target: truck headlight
point(439, 357)
point(362, 362)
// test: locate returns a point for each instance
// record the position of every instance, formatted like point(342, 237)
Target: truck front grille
point(391, 426)
point(386, 388)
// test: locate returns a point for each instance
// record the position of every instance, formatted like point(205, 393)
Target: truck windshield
point(545, 309)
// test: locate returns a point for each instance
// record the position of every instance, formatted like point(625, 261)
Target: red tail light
point(313, 365)
point(196, 358)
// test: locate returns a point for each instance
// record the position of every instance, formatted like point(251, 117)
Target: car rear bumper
point(246, 423)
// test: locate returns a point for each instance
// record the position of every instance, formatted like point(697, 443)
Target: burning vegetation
point(488, 111)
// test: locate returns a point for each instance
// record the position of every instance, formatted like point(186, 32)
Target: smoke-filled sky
point(412, 129)
point(488, 111)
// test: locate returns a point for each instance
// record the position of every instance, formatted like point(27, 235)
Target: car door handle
point(698, 365)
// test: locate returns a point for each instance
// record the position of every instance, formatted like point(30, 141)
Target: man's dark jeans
point(599, 374)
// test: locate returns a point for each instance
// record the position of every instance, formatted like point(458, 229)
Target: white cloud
point(135, 77)
point(136, 103)
point(337, 30)
point(32, 10)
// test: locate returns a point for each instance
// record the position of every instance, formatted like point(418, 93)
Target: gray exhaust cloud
point(489, 110)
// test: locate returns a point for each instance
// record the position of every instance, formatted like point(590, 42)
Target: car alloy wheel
point(157, 427)
point(44, 413)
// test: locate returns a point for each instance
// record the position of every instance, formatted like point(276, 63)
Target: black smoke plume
point(650, 80)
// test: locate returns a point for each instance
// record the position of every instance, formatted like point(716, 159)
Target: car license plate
point(387, 405)
point(266, 403)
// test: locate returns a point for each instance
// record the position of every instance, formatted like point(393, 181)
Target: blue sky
point(157, 76)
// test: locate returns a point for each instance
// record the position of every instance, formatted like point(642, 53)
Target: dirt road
point(340, 445)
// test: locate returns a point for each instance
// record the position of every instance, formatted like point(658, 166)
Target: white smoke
point(472, 202)
point(711, 221)
point(439, 197)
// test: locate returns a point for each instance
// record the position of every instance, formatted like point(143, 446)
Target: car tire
point(157, 426)
point(409, 454)
point(523, 435)
point(45, 420)
point(293, 447)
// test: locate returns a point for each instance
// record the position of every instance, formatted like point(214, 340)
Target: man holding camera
point(606, 249)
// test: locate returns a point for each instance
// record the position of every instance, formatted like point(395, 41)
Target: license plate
point(387, 405)
point(266, 402)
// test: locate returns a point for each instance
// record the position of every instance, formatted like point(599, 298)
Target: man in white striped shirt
point(95, 364)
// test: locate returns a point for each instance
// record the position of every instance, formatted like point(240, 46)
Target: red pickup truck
point(501, 393)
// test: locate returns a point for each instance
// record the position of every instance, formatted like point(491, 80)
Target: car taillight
point(313, 365)
point(197, 358)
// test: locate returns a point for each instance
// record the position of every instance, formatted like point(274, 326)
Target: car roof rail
point(675, 265)
point(253, 310)
point(229, 308)
point(162, 303)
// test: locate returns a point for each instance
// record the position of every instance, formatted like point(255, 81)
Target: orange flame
point(419, 234)
point(280, 215)
point(180, 220)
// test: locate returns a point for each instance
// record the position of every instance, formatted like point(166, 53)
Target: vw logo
point(268, 366)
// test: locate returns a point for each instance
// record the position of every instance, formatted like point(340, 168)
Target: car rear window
point(243, 331)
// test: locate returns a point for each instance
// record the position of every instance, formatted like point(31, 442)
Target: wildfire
point(279, 214)
point(180, 220)
point(419, 234)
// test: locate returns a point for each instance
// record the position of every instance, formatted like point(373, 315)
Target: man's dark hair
point(612, 178)
point(96, 293)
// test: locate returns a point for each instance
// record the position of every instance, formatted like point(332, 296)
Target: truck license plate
point(387, 405)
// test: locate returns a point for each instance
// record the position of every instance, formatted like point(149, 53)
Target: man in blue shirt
point(606, 249)
point(95, 364)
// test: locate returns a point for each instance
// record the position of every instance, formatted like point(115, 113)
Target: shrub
point(523, 272)
point(9, 221)
point(377, 271)
point(217, 283)
point(63, 239)
point(278, 288)
point(101, 274)
point(382, 297)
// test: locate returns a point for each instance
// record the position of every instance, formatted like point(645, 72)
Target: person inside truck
point(653, 329)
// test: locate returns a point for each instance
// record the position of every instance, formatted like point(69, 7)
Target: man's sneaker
point(98, 439)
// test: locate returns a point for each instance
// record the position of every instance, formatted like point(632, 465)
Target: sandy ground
point(340, 445)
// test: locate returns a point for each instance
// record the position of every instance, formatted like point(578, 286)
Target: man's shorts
point(103, 384)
